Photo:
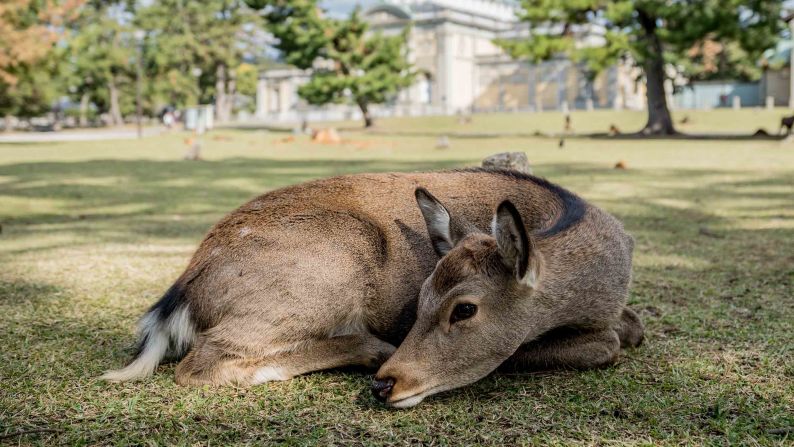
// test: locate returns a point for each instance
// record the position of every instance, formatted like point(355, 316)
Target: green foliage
point(299, 26)
point(34, 91)
point(100, 53)
point(186, 43)
point(247, 77)
point(349, 63)
point(703, 40)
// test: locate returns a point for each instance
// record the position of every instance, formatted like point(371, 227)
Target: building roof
point(503, 11)
point(394, 9)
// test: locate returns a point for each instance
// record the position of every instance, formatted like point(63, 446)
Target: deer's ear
point(516, 246)
point(437, 220)
point(445, 230)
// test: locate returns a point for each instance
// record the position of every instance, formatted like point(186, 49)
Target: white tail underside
point(178, 328)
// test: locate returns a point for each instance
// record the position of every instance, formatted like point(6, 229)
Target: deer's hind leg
point(630, 329)
point(209, 366)
point(567, 348)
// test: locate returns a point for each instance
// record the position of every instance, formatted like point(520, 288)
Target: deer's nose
point(381, 388)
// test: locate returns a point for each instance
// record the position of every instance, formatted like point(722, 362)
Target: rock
point(516, 161)
point(327, 136)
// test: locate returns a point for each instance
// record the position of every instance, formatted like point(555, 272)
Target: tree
point(100, 54)
point(247, 76)
point(194, 49)
point(349, 64)
point(33, 92)
point(29, 30)
point(656, 35)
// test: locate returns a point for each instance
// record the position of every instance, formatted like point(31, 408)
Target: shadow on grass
point(20, 293)
point(122, 199)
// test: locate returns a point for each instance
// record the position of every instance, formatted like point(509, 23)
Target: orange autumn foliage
point(25, 43)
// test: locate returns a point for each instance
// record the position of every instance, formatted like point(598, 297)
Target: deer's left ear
point(516, 246)
point(444, 230)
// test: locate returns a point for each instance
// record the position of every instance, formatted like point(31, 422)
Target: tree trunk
point(115, 109)
point(368, 120)
point(659, 120)
point(84, 110)
point(220, 94)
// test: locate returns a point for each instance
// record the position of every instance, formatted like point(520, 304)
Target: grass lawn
point(94, 232)
point(720, 121)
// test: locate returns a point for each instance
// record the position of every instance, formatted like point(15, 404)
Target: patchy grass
point(93, 233)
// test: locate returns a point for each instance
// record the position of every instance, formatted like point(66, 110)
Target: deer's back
point(367, 230)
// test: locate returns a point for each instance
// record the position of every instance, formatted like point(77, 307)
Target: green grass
point(93, 233)
point(720, 121)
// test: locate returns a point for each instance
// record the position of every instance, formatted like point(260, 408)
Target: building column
point(284, 96)
point(261, 98)
point(444, 61)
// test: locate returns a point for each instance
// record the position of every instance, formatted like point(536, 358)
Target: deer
point(788, 123)
point(373, 270)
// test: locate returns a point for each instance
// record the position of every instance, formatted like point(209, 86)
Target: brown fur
point(328, 273)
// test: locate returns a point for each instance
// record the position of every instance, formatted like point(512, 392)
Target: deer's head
point(472, 309)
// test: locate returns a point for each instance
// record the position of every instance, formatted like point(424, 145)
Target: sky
point(342, 7)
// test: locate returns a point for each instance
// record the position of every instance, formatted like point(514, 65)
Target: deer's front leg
point(567, 349)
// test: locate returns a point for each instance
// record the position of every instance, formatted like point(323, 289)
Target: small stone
point(516, 161)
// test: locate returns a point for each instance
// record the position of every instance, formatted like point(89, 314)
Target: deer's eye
point(462, 311)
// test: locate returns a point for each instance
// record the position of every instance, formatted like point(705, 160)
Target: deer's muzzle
point(381, 388)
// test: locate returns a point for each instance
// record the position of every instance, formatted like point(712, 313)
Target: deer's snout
point(381, 388)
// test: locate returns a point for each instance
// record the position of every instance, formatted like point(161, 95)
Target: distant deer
point(340, 271)
point(788, 123)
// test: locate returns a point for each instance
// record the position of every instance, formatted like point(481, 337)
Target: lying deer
point(339, 271)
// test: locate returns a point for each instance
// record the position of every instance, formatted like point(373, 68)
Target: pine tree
point(349, 64)
point(656, 34)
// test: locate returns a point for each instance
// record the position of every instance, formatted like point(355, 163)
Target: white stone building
point(462, 71)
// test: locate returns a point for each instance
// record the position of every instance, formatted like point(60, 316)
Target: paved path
point(76, 135)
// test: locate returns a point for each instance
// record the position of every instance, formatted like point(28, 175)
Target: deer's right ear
point(516, 246)
point(437, 220)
